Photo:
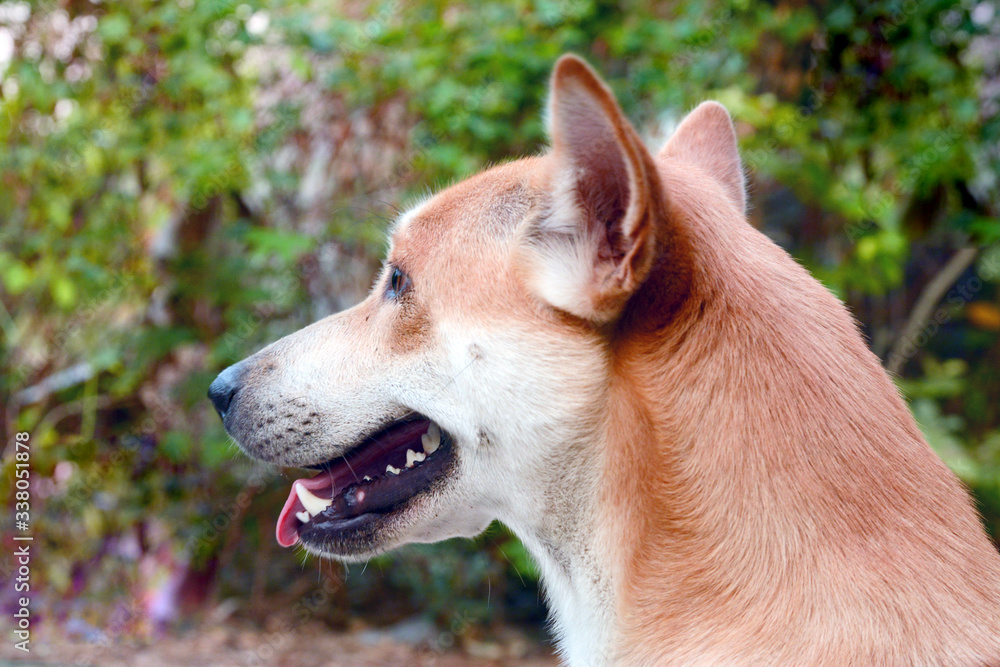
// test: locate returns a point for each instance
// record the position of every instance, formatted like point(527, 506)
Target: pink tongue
point(287, 530)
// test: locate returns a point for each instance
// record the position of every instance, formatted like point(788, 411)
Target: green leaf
point(63, 291)
point(16, 276)
point(113, 28)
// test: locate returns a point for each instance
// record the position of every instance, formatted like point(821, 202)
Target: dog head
point(472, 382)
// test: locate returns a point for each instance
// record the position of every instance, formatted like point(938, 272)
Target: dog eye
point(399, 282)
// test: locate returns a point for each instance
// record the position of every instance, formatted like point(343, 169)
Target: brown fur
point(780, 504)
point(797, 512)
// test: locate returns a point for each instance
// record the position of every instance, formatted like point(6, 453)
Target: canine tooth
point(394, 471)
point(432, 439)
point(303, 516)
point(366, 478)
point(312, 504)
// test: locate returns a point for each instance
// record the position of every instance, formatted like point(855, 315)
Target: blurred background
point(183, 182)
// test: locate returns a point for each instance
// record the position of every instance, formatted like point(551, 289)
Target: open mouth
point(373, 480)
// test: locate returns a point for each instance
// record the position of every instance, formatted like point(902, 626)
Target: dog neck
point(567, 539)
point(594, 511)
point(577, 532)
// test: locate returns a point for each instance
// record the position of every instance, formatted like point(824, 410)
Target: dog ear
point(595, 244)
point(706, 138)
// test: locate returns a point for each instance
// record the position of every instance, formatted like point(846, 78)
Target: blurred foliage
point(185, 181)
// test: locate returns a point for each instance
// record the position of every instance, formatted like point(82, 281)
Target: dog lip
point(339, 476)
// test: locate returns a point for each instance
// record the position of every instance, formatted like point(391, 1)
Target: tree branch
point(923, 309)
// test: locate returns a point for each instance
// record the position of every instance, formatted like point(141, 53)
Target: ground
point(243, 644)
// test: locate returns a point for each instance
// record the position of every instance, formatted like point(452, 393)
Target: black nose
point(224, 388)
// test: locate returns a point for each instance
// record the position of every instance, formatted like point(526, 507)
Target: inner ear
point(595, 245)
point(591, 166)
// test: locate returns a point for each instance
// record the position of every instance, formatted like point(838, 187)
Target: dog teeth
point(366, 478)
point(390, 469)
point(432, 439)
point(414, 457)
point(303, 516)
point(312, 504)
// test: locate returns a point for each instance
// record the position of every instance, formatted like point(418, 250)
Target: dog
point(685, 429)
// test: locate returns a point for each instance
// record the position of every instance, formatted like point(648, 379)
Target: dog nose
point(223, 388)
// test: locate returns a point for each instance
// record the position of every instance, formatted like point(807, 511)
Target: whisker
point(348, 464)
point(517, 570)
